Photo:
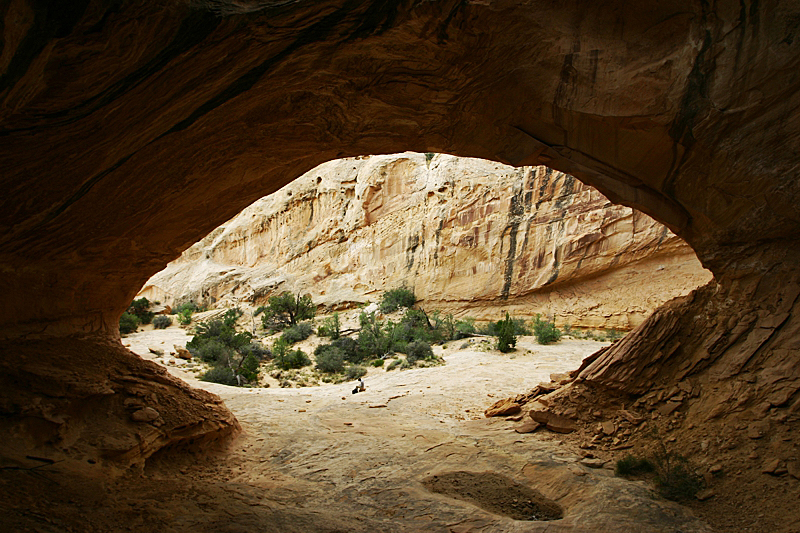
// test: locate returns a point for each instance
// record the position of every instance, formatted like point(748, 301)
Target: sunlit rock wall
point(470, 237)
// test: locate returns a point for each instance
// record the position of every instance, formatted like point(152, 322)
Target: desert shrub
point(416, 326)
point(128, 323)
point(231, 316)
point(162, 322)
point(632, 466)
point(491, 328)
point(418, 350)
point(349, 348)
point(355, 371)
point(675, 477)
point(298, 332)
point(141, 308)
point(506, 339)
point(189, 306)
point(394, 364)
point(256, 349)
point(286, 310)
point(374, 339)
point(614, 335)
point(465, 327)
point(212, 351)
point(249, 368)
point(330, 359)
point(185, 317)
point(220, 374)
point(394, 299)
point(286, 359)
point(330, 327)
point(377, 362)
point(217, 342)
point(545, 331)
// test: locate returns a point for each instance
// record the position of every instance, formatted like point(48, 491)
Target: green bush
point(330, 327)
point(249, 368)
point(256, 349)
point(185, 317)
point(296, 359)
point(162, 322)
point(330, 359)
point(506, 339)
point(418, 350)
point(491, 328)
point(220, 374)
point(217, 342)
point(231, 316)
point(140, 308)
point(465, 327)
point(211, 351)
point(355, 371)
point(394, 364)
point(298, 332)
point(546, 332)
point(675, 478)
point(632, 466)
point(349, 348)
point(377, 362)
point(374, 339)
point(190, 306)
point(394, 299)
point(128, 323)
point(286, 359)
point(286, 310)
point(614, 335)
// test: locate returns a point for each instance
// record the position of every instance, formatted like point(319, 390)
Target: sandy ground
point(323, 459)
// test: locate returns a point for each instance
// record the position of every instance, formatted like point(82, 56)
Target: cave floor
point(323, 459)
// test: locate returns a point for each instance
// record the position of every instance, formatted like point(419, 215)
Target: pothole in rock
point(495, 493)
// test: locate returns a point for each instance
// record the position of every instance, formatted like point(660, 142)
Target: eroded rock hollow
point(130, 130)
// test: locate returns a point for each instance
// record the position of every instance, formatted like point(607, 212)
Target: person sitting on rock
point(360, 387)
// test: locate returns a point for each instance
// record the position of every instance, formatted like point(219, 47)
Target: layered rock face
point(470, 237)
point(132, 130)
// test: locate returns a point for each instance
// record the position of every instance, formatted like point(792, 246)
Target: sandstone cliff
point(470, 236)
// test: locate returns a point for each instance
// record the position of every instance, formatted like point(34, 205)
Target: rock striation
point(471, 237)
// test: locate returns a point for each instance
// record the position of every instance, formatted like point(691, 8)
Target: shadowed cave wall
point(131, 129)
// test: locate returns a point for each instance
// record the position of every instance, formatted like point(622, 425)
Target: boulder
point(182, 352)
point(528, 427)
point(553, 422)
point(502, 408)
point(593, 462)
point(148, 414)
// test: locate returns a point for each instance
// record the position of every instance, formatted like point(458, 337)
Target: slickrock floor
point(323, 459)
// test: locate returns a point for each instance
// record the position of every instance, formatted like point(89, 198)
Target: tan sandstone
point(471, 237)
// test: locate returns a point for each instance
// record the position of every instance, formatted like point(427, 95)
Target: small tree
point(418, 350)
point(394, 299)
point(331, 327)
point(545, 331)
point(287, 310)
point(162, 322)
point(297, 333)
point(506, 339)
point(128, 323)
point(330, 359)
point(141, 308)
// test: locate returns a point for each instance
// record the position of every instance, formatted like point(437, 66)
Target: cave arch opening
point(117, 120)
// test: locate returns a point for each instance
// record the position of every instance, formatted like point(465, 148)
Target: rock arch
point(131, 130)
